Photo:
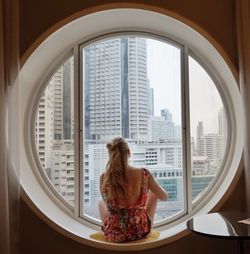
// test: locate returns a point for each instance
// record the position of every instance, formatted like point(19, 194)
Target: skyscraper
point(150, 100)
point(211, 145)
point(62, 101)
point(54, 130)
point(200, 134)
point(116, 89)
point(162, 127)
point(166, 114)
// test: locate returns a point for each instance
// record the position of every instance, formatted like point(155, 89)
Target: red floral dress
point(130, 223)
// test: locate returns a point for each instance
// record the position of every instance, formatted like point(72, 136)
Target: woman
point(129, 196)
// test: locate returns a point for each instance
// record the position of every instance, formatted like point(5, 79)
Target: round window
point(147, 78)
point(133, 86)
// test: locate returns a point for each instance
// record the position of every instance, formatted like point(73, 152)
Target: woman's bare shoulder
point(135, 170)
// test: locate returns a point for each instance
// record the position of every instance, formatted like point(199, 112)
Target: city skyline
point(164, 73)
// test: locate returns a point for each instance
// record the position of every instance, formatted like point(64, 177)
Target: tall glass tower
point(116, 89)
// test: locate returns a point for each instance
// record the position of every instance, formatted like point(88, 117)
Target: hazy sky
point(164, 74)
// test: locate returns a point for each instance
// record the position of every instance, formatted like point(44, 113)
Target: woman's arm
point(101, 181)
point(156, 188)
point(101, 204)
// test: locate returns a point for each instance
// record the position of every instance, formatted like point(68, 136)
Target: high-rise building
point(54, 130)
point(98, 158)
point(200, 165)
point(62, 168)
point(161, 129)
point(199, 135)
point(212, 146)
point(177, 132)
point(116, 89)
point(166, 114)
point(44, 128)
point(62, 101)
point(150, 100)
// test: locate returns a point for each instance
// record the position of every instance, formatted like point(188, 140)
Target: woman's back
point(134, 184)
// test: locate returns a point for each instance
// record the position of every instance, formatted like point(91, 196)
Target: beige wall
point(216, 20)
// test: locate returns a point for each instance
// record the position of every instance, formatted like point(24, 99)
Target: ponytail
point(115, 177)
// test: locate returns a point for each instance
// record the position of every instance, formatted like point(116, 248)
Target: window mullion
point(186, 132)
point(77, 134)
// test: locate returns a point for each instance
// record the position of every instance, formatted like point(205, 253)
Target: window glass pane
point(208, 129)
point(132, 89)
point(54, 128)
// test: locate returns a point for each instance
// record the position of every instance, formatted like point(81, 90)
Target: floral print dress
point(130, 223)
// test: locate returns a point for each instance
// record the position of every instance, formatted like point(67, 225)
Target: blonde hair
point(115, 176)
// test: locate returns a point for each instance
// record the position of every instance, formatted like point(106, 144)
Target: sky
point(163, 68)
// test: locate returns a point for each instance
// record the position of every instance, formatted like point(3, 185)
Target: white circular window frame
point(49, 52)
